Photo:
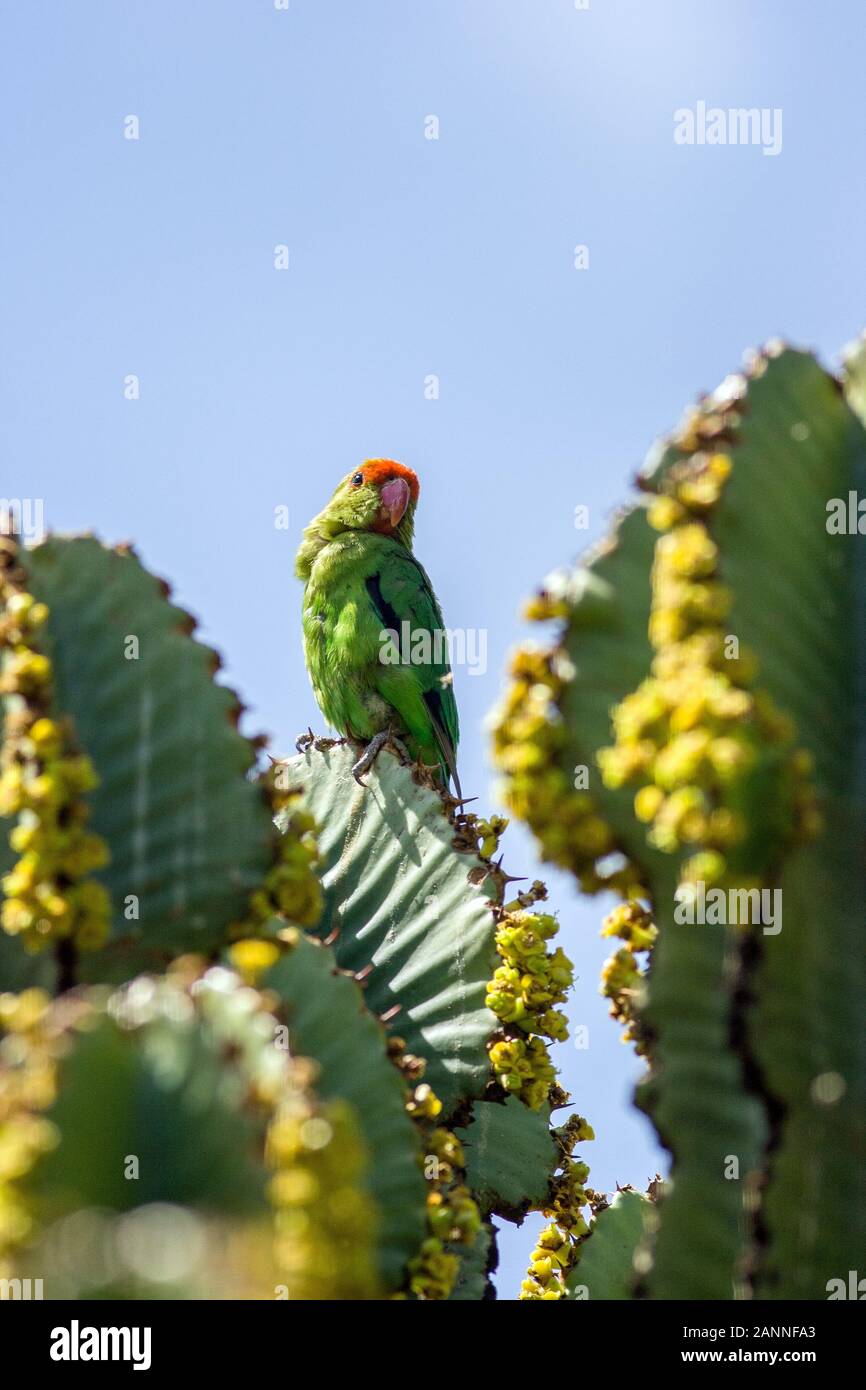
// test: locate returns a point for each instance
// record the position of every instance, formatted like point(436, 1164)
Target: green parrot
point(374, 640)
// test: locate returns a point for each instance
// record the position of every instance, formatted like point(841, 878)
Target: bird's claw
point(305, 741)
point(369, 755)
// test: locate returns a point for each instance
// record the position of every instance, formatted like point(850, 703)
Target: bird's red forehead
point(382, 470)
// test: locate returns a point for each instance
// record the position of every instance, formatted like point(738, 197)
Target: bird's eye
point(357, 480)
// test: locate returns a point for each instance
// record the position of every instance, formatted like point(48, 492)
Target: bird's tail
point(449, 757)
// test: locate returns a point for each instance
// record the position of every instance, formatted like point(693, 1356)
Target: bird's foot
point(372, 751)
point(305, 741)
point(401, 748)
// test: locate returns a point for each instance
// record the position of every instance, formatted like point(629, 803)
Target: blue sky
point(408, 257)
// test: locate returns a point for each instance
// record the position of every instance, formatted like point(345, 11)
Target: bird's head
point(379, 496)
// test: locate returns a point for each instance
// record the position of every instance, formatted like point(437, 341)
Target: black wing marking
point(387, 615)
point(389, 618)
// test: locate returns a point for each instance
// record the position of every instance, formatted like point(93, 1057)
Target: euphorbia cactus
point(708, 676)
point(339, 966)
point(315, 1017)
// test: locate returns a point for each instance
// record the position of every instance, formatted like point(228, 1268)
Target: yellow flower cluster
point(694, 732)
point(453, 1217)
point(523, 994)
point(27, 1088)
point(43, 781)
point(291, 888)
point(530, 743)
point(622, 977)
point(523, 1067)
point(556, 1251)
point(252, 958)
point(324, 1221)
point(489, 833)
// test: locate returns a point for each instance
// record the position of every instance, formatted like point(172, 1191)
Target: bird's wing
point(401, 593)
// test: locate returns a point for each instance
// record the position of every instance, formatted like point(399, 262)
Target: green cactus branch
point(173, 1091)
point(803, 450)
point(436, 868)
point(724, 770)
point(189, 834)
point(402, 899)
point(328, 1022)
point(609, 1263)
point(511, 1154)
